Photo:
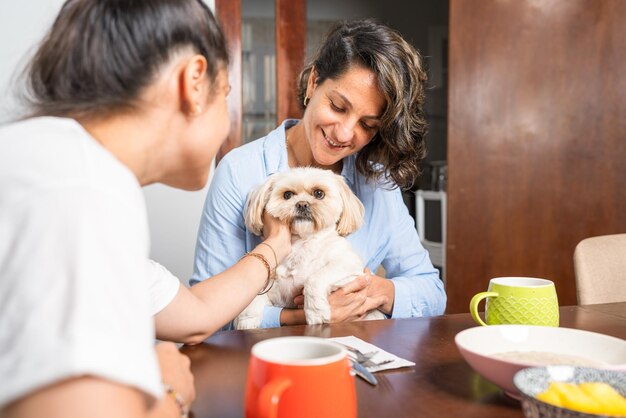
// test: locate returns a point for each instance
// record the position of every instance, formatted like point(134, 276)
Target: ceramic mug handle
point(474, 305)
point(270, 397)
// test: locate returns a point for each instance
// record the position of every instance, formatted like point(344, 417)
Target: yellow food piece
point(612, 402)
point(592, 398)
point(550, 396)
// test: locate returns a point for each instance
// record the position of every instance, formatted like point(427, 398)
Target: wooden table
point(441, 384)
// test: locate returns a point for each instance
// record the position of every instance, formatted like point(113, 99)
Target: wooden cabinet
point(536, 138)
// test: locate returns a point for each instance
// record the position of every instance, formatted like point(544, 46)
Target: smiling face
point(342, 116)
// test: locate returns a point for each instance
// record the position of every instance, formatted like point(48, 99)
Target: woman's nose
point(345, 130)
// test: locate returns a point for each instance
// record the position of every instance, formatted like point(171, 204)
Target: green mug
point(518, 300)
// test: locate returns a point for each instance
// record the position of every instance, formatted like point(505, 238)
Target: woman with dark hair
point(363, 98)
point(123, 94)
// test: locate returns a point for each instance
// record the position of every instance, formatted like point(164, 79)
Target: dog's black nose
point(302, 206)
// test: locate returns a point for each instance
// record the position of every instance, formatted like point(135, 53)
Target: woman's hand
point(175, 370)
point(277, 234)
point(379, 286)
point(353, 301)
point(294, 316)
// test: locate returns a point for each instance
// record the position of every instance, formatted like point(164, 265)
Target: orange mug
point(299, 377)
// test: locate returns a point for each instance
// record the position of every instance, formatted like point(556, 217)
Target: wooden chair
point(600, 267)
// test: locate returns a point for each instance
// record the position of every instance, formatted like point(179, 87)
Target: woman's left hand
point(352, 301)
point(379, 286)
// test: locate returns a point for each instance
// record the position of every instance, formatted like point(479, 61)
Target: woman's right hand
point(278, 234)
point(175, 371)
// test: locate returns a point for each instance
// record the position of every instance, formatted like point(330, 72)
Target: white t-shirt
point(77, 291)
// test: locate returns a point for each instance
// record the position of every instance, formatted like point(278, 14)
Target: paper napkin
point(380, 356)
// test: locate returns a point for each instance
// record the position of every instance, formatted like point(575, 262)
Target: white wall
point(173, 215)
point(22, 25)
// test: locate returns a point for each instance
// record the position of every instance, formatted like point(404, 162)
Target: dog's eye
point(319, 194)
point(287, 195)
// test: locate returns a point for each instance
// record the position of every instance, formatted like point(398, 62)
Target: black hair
point(100, 54)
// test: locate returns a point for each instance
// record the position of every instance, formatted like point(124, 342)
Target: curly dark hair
point(100, 54)
point(399, 146)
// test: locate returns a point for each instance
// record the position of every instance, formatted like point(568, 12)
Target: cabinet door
point(536, 148)
point(284, 61)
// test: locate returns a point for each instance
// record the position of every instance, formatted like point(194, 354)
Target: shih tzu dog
point(321, 210)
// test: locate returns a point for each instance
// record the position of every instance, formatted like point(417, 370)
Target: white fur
point(321, 259)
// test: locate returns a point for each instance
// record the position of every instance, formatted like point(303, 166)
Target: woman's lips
point(331, 142)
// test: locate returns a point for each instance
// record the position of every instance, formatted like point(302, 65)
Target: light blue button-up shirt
point(388, 235)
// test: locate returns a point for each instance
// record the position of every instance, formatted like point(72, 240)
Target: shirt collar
point(275, 148)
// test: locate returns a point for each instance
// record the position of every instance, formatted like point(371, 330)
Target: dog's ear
point(351, 217)
point(255, 205)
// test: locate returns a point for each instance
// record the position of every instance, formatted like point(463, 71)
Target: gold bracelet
point(178, 399)
point(273, 252)
point(269, 282)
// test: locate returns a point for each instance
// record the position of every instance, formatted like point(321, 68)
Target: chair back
point(600, 268)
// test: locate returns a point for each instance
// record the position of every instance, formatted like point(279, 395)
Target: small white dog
point(322, 210)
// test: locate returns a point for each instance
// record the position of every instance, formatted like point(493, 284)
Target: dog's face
point(309, 199)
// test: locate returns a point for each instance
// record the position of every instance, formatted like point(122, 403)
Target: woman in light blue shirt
point(363, 97)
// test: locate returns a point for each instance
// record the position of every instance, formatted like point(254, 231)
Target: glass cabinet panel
point(259, 68)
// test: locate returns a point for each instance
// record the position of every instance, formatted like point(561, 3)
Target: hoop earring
point(306, 101)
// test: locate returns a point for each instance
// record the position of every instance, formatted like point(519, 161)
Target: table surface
point(440, 384)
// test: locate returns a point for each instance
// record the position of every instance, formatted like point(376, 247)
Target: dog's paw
point(247, 323)
point(317, 316)
point(314, 320)
point(374, 314)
